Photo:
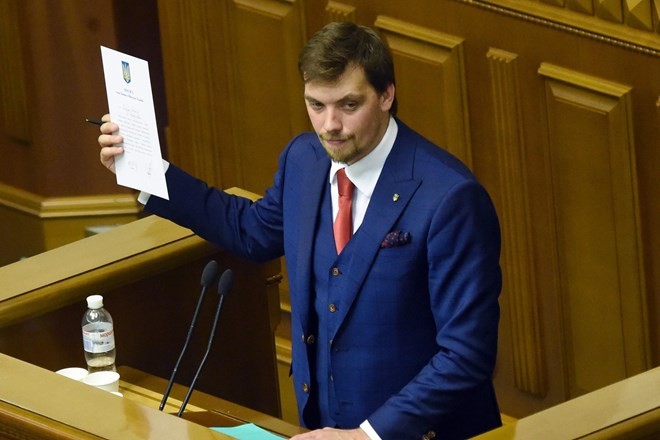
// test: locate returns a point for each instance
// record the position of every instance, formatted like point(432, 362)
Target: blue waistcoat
point(327, 287)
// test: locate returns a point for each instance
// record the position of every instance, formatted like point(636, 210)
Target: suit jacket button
point(332, 308)
point(335, 271)
point(310, 339)
point(305, 388)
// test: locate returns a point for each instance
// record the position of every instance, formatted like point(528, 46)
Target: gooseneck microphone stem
point(224, 285)
point(208, 275)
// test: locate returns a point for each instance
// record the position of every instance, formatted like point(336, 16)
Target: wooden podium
point(149, 272)
point(38, 404)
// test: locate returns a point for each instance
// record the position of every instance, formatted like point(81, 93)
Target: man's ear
point(387, 98)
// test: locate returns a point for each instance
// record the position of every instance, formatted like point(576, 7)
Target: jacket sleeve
point(452, 395)
point(249, 229)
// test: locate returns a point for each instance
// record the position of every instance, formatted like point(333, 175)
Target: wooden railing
point(629, 409)
point(149, 274)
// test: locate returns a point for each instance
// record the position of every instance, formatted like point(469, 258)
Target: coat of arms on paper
point(126, 71)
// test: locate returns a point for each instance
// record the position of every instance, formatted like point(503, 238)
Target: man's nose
point(332, 122)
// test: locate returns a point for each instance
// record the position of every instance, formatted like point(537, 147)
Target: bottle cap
point(95, 301)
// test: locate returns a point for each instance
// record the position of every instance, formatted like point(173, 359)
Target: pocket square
point(396, 238)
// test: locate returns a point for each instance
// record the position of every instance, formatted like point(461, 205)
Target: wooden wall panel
point(196, 85)
point(597, 232)
point(50, 80)
point(433, 59)
point(233, 90)
point(518, 257)
point(14, 109)
point(267, 80)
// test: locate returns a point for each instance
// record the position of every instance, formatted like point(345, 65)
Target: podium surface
point(36, 403)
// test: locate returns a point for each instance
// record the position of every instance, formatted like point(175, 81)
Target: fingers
point(109, 136)
point(109, 140)
point(109, 128)
point(109, 153)
point(107, 156)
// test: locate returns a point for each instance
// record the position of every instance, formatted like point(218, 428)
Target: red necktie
point(344, 222)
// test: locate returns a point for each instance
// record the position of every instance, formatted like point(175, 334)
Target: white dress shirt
point(364, 174)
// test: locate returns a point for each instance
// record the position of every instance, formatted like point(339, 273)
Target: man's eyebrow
point(352, 97)
point(347, 97)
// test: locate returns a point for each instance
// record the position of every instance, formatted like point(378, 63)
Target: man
point(394, 335)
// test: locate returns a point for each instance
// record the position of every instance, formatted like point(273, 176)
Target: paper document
point(131, 105)
point(249, 431)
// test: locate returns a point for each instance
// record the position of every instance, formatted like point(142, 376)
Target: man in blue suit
point(394, 334)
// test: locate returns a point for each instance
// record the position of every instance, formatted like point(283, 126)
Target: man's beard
point(345, 154)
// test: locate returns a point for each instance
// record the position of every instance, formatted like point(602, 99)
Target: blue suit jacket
point(414, 337)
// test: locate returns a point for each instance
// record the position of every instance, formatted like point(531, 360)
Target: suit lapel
point(394, 190)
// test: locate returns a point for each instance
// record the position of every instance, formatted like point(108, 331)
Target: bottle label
point(98, 337)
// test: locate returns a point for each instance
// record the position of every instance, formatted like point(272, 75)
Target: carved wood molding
point(598, 237)
point(529, 372)
point(75, 206)
point(416, 48)
point(609, 10)
point(338, 11)
point(583, 6)
point(638, 14)
point(587, 26)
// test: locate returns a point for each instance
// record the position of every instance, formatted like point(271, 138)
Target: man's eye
point(316, 105)
point(351, 105)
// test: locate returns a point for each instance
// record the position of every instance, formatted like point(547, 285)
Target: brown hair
point(337, 45)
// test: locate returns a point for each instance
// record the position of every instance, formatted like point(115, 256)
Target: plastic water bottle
point(98, 336)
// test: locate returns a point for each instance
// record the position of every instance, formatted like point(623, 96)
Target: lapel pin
point(395, 197)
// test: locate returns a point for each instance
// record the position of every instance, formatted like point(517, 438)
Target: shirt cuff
point(144, 196)
point(366, 427)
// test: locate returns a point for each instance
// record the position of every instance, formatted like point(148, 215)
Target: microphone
point(224, 286)
point(208, 275)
